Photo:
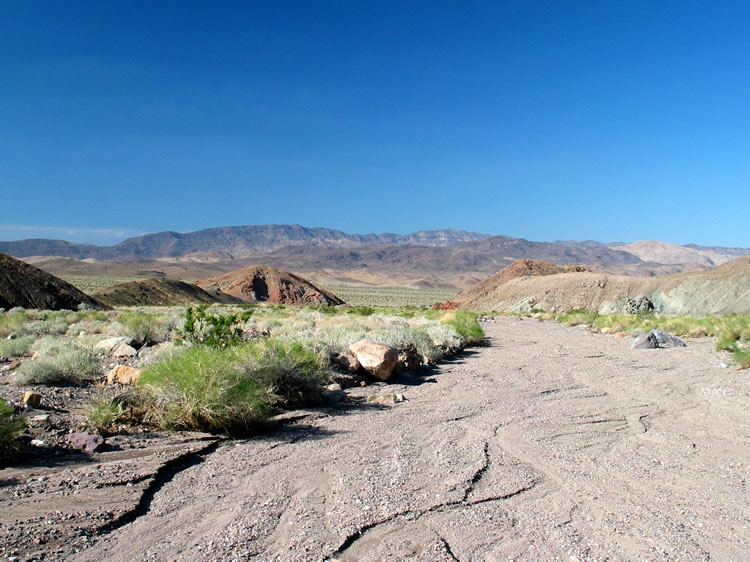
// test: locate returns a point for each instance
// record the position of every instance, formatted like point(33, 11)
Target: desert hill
point(721, 290)
point(268, 284)
point(22, 284)
point(159, 292)
point(670, 254)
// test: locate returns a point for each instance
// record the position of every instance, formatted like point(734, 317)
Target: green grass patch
point(231, 390)
point(466, 324)
point(741, 358)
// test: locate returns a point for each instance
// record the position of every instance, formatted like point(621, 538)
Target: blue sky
point(543, 120)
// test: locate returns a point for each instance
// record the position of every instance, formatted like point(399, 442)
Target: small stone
point(85, 441)
point(723, 365)
point(123, 374)
point(384, 398)
point(44, 418)
point(32, 399)
point(39, 443)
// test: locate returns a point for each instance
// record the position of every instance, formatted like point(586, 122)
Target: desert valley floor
point(551, 443)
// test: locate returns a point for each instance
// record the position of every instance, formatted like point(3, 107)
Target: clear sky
point(544, 120)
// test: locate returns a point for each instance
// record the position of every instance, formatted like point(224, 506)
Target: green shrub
point(466, 324)
point(213, 330)
point(204, 389)
point(17, 347)
point(361, 310)
point(11, 427)
point(70, 365)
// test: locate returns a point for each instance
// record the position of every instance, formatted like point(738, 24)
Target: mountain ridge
point(236, 241)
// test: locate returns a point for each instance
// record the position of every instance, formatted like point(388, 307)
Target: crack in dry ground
point(164, 475)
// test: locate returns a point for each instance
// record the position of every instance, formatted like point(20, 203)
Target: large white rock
point(375, 358)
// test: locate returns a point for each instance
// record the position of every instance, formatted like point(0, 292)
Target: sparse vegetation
point(10, 427)
point(17, 347)
point(730, 330)
point(142, 328)
point(58, 364)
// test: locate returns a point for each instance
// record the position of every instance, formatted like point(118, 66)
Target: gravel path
point(552, 443)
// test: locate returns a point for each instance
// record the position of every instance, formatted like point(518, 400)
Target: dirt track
point(553, 443)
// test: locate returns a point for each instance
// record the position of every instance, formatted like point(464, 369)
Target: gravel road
point(552, 443)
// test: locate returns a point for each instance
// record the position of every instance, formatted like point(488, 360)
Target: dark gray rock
point(668, 340)
point(645, 341)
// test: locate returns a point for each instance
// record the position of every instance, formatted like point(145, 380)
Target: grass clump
point(234, 389)
point(291, 372)
point(105, 414)
point(142, 328)
point(466, 324)
point(741, 358)
point(577, 316)
point(17, 347)
point(11, 427)
point(204, 389)
point(59, 364)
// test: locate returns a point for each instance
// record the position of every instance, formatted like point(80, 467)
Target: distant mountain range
point(231, 242)
point(452, 257)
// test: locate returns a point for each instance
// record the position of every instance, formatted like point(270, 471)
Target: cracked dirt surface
point(552, 443)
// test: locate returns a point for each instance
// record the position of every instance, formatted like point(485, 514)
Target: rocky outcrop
point(22, 284)
point(263, 283)
point(375, 358)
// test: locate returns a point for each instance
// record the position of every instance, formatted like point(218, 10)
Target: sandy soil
point(552, 443)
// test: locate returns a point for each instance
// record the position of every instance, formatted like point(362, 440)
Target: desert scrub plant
point(291, 372)
point(17, 347)
point(577, 316)
point(11, 426)
point(205, 389)
point(205, 327)
point(105, 414)
point(466, 324)
point(61, 364)
point(741, 358)
point(142, 328)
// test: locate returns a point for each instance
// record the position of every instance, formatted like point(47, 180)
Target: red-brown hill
point(22, 284)
point(263, 283)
